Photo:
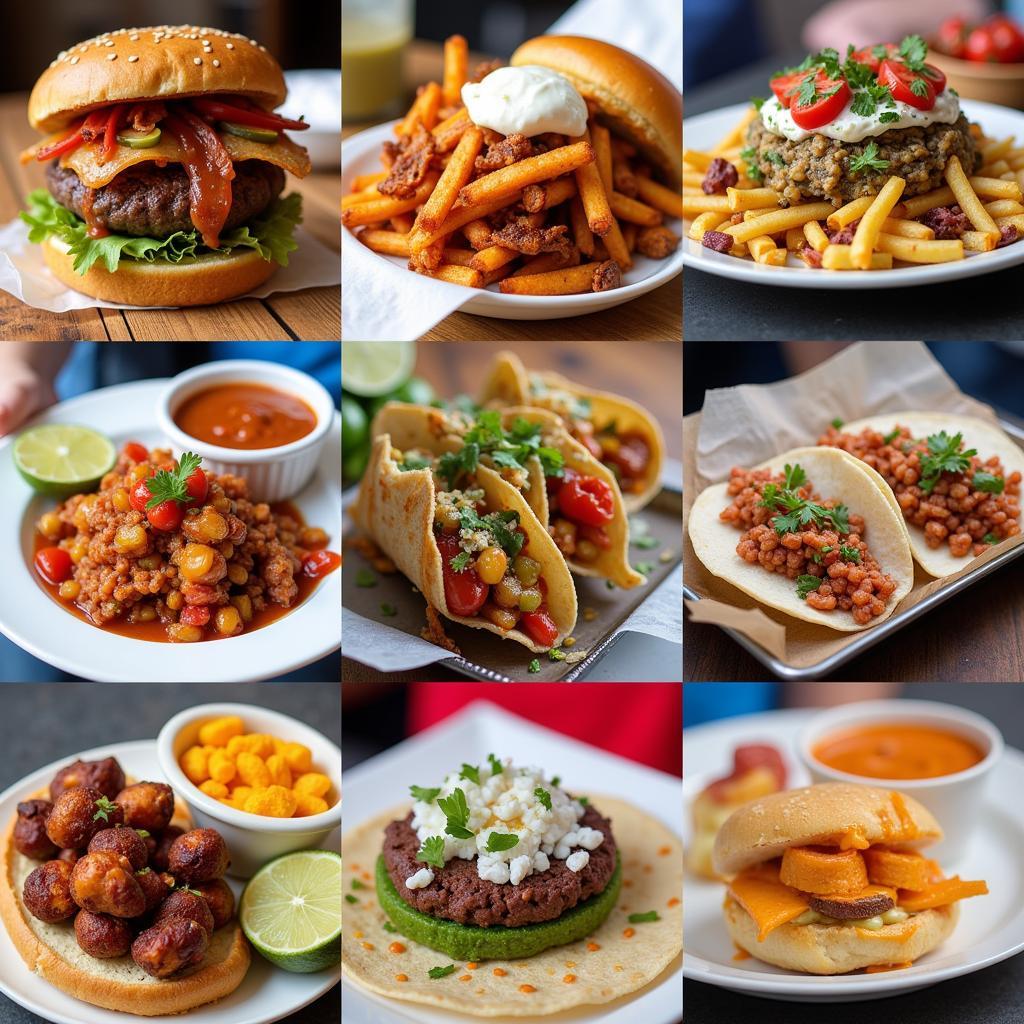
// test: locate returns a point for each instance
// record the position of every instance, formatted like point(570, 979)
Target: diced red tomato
point(1007, 39)
point(586, 500)
point(900, 79)
point(867, 55)
point(464, 592)
point(786, 87)
point(53, 564)
point(136, 452)
point(166, 516)
point(318, 564)
point(139, 496)
point(539, 627)
point(630, 457)
point(195, 615)
point(595, 534)
point(831, 96)
point(197, 486)
point(590, 443)
point(952, 37)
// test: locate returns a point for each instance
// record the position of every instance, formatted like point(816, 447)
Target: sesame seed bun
point(162, 62)
point(817, 815)
point(636, 101)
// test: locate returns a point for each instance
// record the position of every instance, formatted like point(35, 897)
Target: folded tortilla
point(835, 475)
point(509, 383)
point(987, 438)
point(396, 509)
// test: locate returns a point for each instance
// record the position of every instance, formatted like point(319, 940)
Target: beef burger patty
point(459, 894)
point(154, 201)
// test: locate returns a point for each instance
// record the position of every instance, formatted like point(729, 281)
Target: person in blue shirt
point(718, 36)
point(34, 375)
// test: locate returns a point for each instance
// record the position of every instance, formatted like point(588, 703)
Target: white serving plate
point(991, 927)
point(266, 994)
point(705, 130)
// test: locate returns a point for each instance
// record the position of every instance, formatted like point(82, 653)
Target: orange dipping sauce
point(898, 751)
point(245, 416)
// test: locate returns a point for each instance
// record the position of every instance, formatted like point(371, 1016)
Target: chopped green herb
point(988, 482)
point(426, 795)
point(610, 584)
point(456, 810)
point(556, 780)
point(837, 423)
point(991, 538)
point(850, 554)
point(460, 563)
point(496, 766)
point(650, 915)
point(441, 972)
point(774, 157)
point(470, 772)
point(805, 585)
point(104, 809)
point(888, 117)
point(500, 525)
point(432, 851)
point(543, 796)
point(411, 462)
point(749, 156)
point(644, 568)
point(534, 667)
point(173, 485)
point(499, 841)
point(944, 456)
point(890, 437)
point(556, 654)
point(758, 101)
point(349, 898)
point(388, 610)
point(356, 884)
point(389, 927)
point(646, 543)
point(583, 800)
point(366, 578)
point(869, 160)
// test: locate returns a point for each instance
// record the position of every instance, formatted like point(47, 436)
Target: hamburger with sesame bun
point(165, 166)
point(830, 879)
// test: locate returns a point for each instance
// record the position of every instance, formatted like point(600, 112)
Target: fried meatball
point(170, 946)
point(220, 898)
point(183, 903)
point(155, 887)
point(47, 892)
point(148, 805)
point(30, 836)
point(105, 883)
point(123, 840)
point(101, 935)
point(198, 856)
point(105, 775)
point(78, 814)
point(158, 857)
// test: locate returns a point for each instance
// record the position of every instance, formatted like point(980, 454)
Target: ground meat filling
point(954, 513)
point(458, 894)
point(851, 579)
point(819, 167)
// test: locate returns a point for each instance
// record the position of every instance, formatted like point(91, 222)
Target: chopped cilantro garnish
point(534, 667)
point(988, 482)
point(776, 158)
point(556, 654)
point(388, 610)
point(496, 766)
point(470, 772)
point(890, 437)
point(645, 543)
point(543, 796)
point(411, 462)
point(990, 538)
point(556, 780)
point(944, 456)
point(805, 585)
point(758, 101)
point(749, 156)
point(172, 486)
point(500, 525)
point(837, 423)
point(800, 511)
point(349, 898)
point(432, 851)
point(498, 841)
point(421, 793)
point(461, 561)
point(850, 554)
point(644, 568)
point(888, 117)
point(356, 884)
point(104, 807)
point(650, 915)
point(365, 578)
point(869, 160)
point(441, 972)
point(456, 810)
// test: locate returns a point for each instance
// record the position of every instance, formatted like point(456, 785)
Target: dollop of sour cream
point(851, 127)
point(528, 99)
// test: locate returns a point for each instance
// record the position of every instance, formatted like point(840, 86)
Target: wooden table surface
point(313, 314)
point(650, 375)
point(658, 315)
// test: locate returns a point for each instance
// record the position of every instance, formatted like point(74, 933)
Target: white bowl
point(253, 839)
point(954, 799)
point(273, 474)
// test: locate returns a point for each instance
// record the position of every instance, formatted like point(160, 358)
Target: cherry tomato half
point(464, 592)
point(166, 516)
point(136, 452)
point(951, 37)
point(53, 564)
point(539, 626)
point(139, 495)
point(197, 486)
point(586, 500)
point(901, 81)
point(786, 87)
point(830, 97)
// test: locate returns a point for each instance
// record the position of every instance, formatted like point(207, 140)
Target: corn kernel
point(313, 783)
point(195, 765)
point(218, 731)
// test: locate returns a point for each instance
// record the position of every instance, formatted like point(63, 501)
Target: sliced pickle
point(139, 140)
point(247, 131)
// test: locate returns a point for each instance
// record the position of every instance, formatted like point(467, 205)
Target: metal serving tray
point(869, 638)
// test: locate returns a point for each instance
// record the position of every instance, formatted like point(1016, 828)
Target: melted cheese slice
point(770, 903)
point(85, 161)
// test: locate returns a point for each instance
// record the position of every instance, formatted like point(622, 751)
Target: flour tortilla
point(652, 861)
point(509, 384)
point(837, 476)
point(988, 439)
point(397, 510)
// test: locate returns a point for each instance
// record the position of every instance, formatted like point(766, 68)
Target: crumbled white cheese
point(578, 860)
point(519, 868)
point(474, 540)
point(420, 880)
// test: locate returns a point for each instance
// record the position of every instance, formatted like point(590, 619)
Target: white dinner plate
point(704, 131)
point(34, 621)
point(360, 154)
point(471, 735)
point(991, 927)
point(267, 994)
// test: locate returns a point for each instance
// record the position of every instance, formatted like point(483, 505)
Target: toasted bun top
point(831, 814)
point(637, 101)
point(161, 62)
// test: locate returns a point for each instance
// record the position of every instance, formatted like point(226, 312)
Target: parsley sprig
point(944, 456)
point(798, 511)
point(456, 810)
point(167, 485)
point(432, 851)
point(500, 525)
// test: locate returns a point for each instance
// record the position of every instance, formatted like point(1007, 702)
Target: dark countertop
point(992, 996)
point(986, 307)
point(40, 724)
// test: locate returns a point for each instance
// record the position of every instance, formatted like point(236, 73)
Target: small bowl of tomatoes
point(982, 61)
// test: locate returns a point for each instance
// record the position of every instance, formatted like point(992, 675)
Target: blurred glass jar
point(374, 34)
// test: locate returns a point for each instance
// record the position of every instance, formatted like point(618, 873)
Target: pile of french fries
point(595, 184)
point(888, 228)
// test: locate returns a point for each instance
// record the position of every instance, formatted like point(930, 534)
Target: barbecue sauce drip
point(94, 228)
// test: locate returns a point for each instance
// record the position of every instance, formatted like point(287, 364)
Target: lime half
point(291, 911)
point(371, 368)
point(60, 459)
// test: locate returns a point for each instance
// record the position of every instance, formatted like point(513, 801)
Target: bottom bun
point(198, 282)
point(837, 949)
point(51, 951)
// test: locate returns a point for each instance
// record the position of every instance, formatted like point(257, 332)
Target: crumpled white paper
point(24, 274)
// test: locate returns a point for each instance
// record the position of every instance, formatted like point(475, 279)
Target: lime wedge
point(371, 368)
point(291, 911)
point(60, 459)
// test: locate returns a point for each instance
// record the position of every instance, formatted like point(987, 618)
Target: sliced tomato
point(901, 80)
point(464, 592)
point(786, 87)
point(539, 626)
point(136, 452)
point(951, 38)
point(831, 96)
point(871, 59)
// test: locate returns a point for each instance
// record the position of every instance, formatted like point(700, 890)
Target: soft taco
point(617, 431)
point(809, 533)
point(957, 480)
point(476, 552)
point(575, 497)
point(500, 863)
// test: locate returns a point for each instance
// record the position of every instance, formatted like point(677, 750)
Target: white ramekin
point(273, 474)
point(252, 839)
point(955, 799)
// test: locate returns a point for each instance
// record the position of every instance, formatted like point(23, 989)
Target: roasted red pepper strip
point(210, 172)
point(110, 132)
point(68, 144)
point(240, 115)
